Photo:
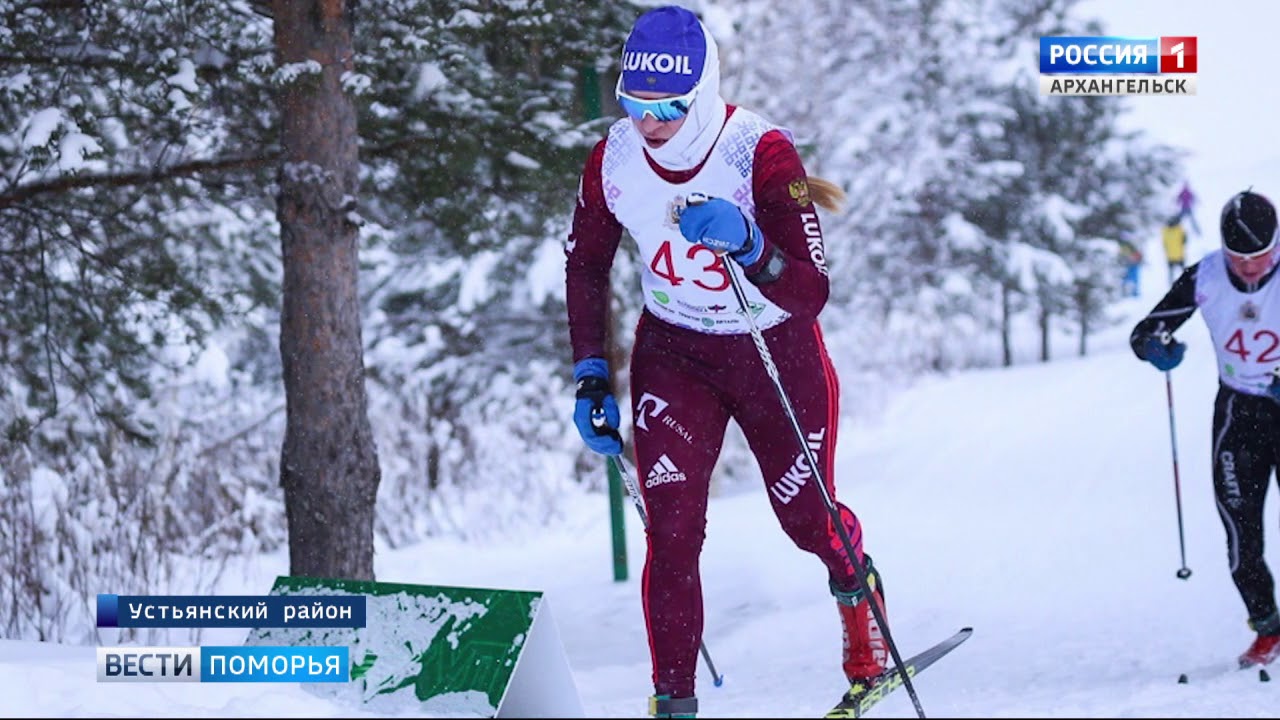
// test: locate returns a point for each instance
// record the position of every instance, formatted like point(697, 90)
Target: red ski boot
point(1263, 651)
point(1266, 647)
point(865, 651)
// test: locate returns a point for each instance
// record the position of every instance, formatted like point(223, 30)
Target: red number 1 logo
point(1178, 54)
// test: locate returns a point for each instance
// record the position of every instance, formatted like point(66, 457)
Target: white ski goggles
point(1257, 254)
point(663, 109)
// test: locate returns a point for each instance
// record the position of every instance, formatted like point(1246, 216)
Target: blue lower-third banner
point(231, 611)
point(232, 663)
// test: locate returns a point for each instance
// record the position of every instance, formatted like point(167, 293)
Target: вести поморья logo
point(1106, 65)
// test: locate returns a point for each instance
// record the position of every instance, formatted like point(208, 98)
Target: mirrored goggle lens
point(664, 109)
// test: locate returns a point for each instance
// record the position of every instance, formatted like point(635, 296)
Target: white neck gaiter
point(691, 143)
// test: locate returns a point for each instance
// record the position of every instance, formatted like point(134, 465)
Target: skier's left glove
point(1274, 388)
point(721, 226)
point(595, 411)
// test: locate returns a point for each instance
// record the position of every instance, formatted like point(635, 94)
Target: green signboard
point(449, 651)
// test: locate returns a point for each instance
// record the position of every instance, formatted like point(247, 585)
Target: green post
point(617, 518)
point(590, 92)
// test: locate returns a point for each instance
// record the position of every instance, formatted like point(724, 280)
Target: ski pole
point(1184, 572)
point(859, 572)
point(634, 492)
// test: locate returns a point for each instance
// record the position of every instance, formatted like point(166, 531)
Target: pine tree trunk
point(1045, 323)
point(1082, 306)
point(1006, 324)
point(329, 465)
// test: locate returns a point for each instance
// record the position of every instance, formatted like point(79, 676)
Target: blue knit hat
point(664, 52)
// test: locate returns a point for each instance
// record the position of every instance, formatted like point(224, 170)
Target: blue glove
point(721, 226)
point(596, 412)
point(1164, 356)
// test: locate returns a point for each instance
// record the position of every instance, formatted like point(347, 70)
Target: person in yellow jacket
point(1175, 246)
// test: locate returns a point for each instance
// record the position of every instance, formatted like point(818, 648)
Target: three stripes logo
point(664, 471)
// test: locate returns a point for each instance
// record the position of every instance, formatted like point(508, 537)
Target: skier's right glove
point(1273, 389)
point(1163, 351)
point(596, 412)
point(721, 226)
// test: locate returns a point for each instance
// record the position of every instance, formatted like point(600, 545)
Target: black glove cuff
point(593, 387)
point(771, 269)
point(749, 245)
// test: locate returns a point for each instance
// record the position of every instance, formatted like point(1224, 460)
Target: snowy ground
point(1035, 504)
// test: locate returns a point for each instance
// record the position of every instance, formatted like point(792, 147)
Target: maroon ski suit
point(686, 385)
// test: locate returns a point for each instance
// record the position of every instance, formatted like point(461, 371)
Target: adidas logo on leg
point(663, 471)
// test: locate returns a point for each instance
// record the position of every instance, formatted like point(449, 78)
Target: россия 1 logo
point(1106, 65)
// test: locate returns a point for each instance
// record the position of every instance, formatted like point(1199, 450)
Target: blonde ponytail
point(828, 195)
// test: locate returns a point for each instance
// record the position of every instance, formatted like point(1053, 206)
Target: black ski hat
point(1248, 223)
